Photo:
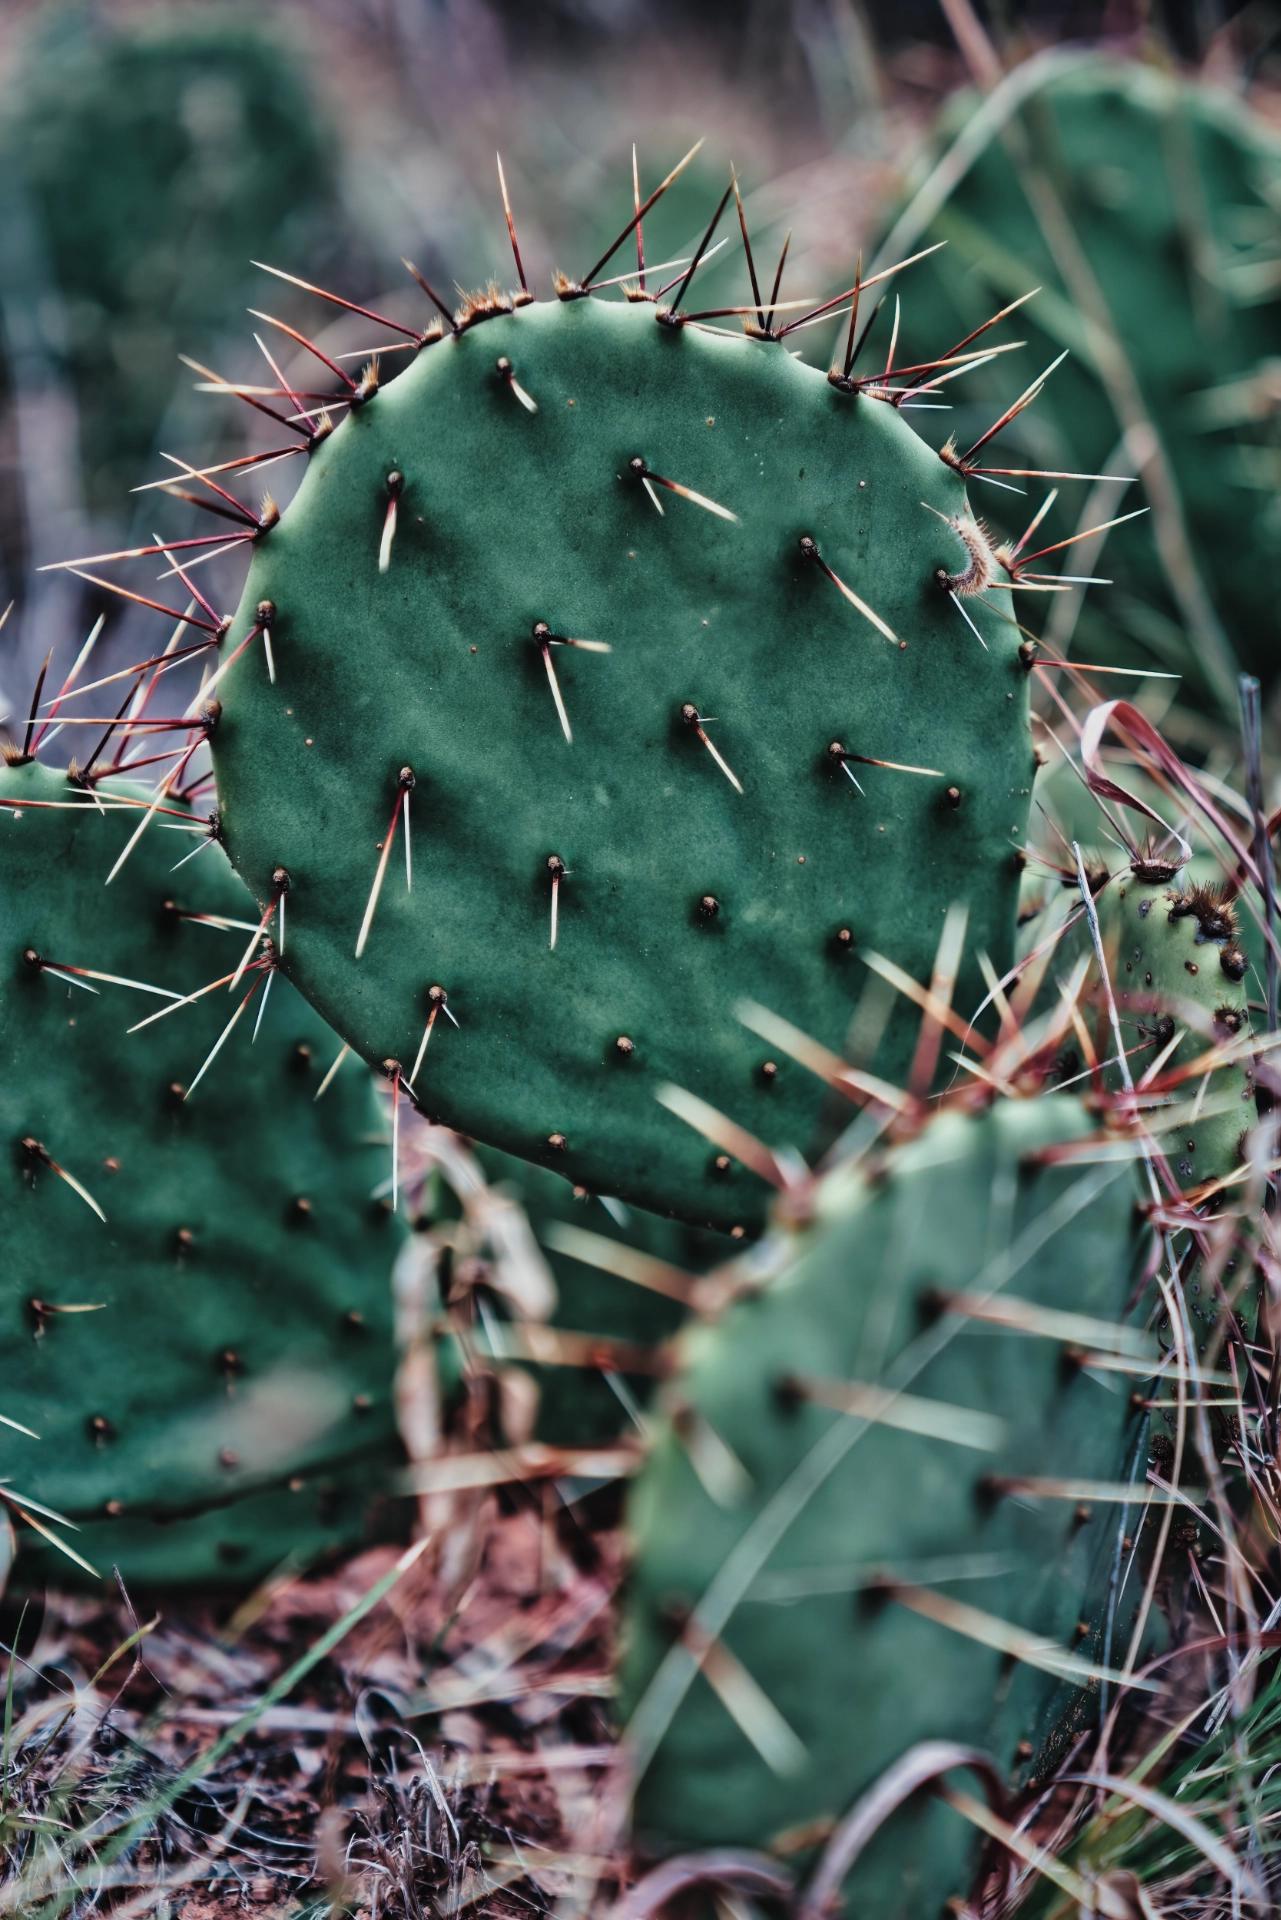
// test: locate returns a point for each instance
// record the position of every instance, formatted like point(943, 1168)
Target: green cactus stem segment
point(197, 1275)
point(557, 745)
point(1179, 975)
point(867, 1519)
point(1121, 190)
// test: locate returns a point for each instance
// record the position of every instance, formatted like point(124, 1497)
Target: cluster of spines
point(1218, 923)
point(898, 387)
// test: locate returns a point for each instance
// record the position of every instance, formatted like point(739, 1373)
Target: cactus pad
point(594, 908)
point(224, 1330)
point(854, 1582)
point(1126, 192)
point(1180, 968)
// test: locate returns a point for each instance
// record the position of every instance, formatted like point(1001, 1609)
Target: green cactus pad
point(814, 1564)
point(229, 1546)
point(679, 893)
point(1147, 202)
point(226, 1328)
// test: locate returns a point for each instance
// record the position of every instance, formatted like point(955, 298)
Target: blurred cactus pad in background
point(1147, 209)
point(145, 163)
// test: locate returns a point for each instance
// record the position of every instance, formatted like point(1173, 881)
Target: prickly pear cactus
point(1126, 192)
point(145, 164)
point(1180, 978)
point(869, 1519)
point(324, 1511)
point(196, 1279)
point(651, 641)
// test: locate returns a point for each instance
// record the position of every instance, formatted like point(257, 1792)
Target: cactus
point(197, 1297)
point(1128, 193)
point(648, 761)
point(1184, 951)
point(1179, 979)
point(144, 166)
point(1174, 960)
point(871, 1517)
point(880, 1527)
point(228, 1544)
point(1178, 998)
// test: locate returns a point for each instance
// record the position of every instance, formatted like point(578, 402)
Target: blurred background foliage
point(150, 151)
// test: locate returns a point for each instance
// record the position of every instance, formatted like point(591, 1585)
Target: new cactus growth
point(1144, 207)
point(1177, 999)
point(678, 673)
point(196, 1282)
point(1179, 977)
point(890, 1474)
